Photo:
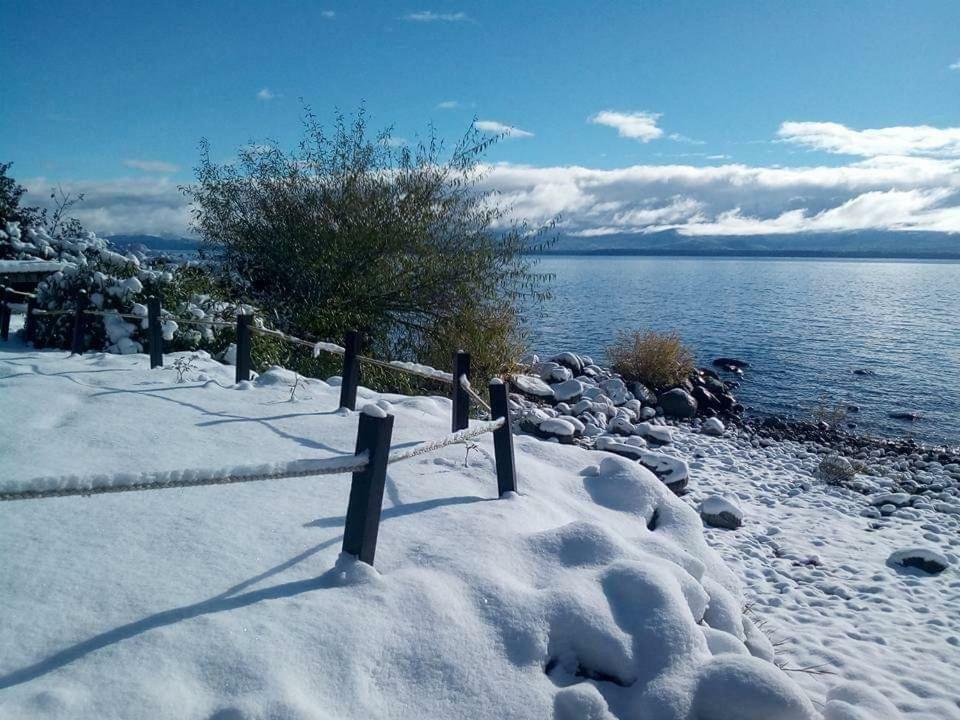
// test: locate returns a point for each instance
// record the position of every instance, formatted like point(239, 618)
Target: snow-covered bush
point(118, 283)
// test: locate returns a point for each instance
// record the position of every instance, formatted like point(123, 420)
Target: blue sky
point(104, 96)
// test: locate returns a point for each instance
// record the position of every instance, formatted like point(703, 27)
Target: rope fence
point(367, 465)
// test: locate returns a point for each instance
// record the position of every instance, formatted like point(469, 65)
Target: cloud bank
point(900, 178)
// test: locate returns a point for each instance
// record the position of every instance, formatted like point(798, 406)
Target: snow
point(12, 267)
point(594, 593)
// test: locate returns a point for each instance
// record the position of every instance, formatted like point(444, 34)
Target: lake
point(804, 325)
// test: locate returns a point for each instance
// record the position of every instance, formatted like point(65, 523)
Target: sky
point(708, 118)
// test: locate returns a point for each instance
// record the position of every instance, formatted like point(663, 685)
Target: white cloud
point(328, 14)
point(448, 105)
point(430, 16)
point(887, 192)
point(265, 95)
point(152, 166)
point(499, 128)
point(640, 126)
point(955, 66)
point(149, 206)
point(836, 138)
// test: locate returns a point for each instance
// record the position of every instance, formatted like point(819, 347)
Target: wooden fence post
point(502, 438)
point(351, 371)
point(461, 400)
point(4, 316)
point(79, 323)
point(30, 322)
point(366, 490)
point(243, 347)
point(155, 332)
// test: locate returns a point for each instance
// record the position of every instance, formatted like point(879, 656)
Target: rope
point(409, 368)
point(460, 436)
point(97, 485)
point(315, 346)
point(20, 292)
point(198, 321)
point(38, 311)
point(106, 313)
point(468, 388)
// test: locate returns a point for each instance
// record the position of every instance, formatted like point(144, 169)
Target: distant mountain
point(155, 243)
point(848, 244)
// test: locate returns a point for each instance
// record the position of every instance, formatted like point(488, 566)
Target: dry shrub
point(657, 359)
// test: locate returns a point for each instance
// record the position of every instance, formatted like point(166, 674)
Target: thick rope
point(108, 313)
point(198, 321)
point(19, 292)
point(424, 371)
point(95, 485)
point(38, 311)
point(460, 436)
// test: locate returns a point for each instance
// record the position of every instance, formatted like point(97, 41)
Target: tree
point(350, 231)
point(10, 194)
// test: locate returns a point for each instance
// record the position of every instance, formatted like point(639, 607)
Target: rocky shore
point(568, 398)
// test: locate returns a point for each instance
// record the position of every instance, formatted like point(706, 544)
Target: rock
point(620, 426)
point(531, 387)
point(642, 393)
point(910, 415)
point(853, 408)
point(569, 391)
point(572, 362)
point(678, 403)
point(865, 372)
point(721, 512)
point(616, 390)
point(561, 429)
point(725, 362)
point(647, 413)
point(705, 399)
point(713, 426)
point(657, 433)
point(836, 469)
point(552, 372)
point(929, 561)
point(895, 499)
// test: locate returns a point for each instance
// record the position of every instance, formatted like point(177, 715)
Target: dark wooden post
point(155, 332)
point(461, 400)
point(243, 347)
point(79, 323)
point(4, 316)
point(366, 491)
point(502, 438)
point(30, 322)
point(351, 371)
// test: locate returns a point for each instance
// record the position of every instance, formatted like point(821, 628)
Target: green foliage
point(349, 232)
point(656, 359)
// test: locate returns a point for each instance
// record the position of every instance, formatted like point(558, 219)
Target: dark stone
point(569, 360)
point(642, 393)
point(906, 415)
point(725, 362)
point(865, 372)
point(706, 399)
point(678, 403)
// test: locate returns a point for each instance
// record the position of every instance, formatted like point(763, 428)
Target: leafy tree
point(352, 231)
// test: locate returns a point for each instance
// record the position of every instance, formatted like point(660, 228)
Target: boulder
point(721, 512)
point(616, 390)
point(726, 362)
point(678, 403)
point(713, 426)
point(531, 387)
point(642, 393)
point(570, 361)
point(865, 372)
point(910, 415)
point(569, 391)
point(706, 399)
point(560, 428)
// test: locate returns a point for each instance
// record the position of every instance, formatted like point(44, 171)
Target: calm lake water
point(803, 325)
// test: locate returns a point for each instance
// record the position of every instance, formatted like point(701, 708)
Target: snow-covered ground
point(592, 594)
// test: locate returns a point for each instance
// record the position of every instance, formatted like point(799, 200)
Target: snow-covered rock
point(533, 387)
point(713, 426)
point(678, 403)
point(722, 512)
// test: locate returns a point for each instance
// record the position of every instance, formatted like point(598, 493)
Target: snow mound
point(593, 594)
point(925, 559)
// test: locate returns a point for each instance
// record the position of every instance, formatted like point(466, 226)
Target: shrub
point(349, 232)
point(657, 359)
